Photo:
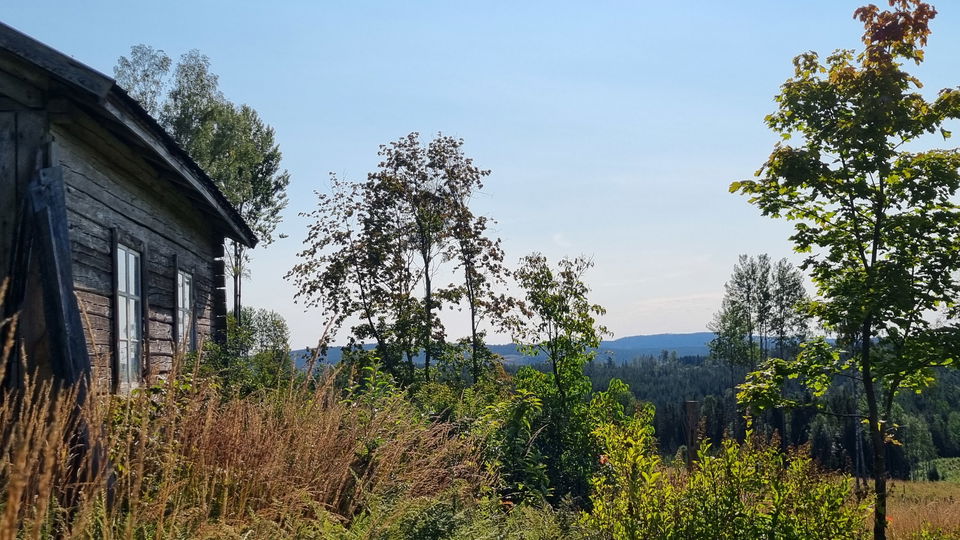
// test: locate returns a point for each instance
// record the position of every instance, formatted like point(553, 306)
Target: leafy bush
point(748, 490)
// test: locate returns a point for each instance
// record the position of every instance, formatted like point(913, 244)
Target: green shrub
point(936, 534)
point(748, 490)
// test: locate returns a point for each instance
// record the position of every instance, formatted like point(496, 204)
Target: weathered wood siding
point(21, 130)
point(109, 188)
point(116, 185)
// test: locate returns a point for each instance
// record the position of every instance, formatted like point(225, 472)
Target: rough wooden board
point(105, 156)
point(143, 132)
point(69, 356)
point(20, 91)
point(107, 205)
point(8, 188)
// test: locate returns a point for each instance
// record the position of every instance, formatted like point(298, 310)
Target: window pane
point(123, 354)
point(133, 321)
point(135, 362)
point(122, 318)
point(133, 269)
point(121, 270)
point(185, 309)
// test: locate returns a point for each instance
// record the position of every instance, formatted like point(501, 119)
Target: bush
point(748, 490)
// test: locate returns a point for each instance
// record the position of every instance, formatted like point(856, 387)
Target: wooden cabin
point(110, 234)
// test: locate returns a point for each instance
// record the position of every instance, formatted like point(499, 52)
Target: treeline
point(928, 425)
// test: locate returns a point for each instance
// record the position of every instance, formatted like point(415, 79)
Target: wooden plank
point(117, 110)
point(144, 312)
point(87, 240)
point(161, 330)
point(161, 315)
point(20, 91)
point(69, 359)
point(16, 67)
point(93, 305)
point(176, 298)
point(10, 105)
point(8, 189)
point(92, 279)
point(163, 347)
point(114, 287)
point(32, 130)
point(105, 203)
point(93, 146)
point(91, 259)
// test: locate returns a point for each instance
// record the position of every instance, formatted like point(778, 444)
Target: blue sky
point(612, 128)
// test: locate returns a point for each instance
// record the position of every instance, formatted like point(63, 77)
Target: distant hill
point(619, 350)
point(627, 348)
point(661, 341)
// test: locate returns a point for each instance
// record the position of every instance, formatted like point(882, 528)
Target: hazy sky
point(612, 128)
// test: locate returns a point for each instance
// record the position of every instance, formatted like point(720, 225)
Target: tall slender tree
point(480, 258)
point(144, 76)
point(879, 224)
point(231, 143)
point(557, 319)
point(789, 320)
point(373, 244)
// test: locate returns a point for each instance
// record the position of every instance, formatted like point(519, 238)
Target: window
point(186, 334)
point(129, 317)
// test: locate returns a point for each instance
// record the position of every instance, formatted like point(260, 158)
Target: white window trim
point(186, 333)
point(130, 379)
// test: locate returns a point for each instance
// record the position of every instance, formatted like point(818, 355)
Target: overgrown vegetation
point(318, 460)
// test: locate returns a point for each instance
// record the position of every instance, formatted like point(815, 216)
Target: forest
point(828, 407)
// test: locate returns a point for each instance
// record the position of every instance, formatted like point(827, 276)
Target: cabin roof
point(110, 101)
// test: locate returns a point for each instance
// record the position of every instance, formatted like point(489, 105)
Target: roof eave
point(127, 111)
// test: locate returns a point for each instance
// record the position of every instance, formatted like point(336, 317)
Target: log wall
point(112, 192)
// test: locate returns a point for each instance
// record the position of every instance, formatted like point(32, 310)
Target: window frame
point(133, 304)
point(187, 311)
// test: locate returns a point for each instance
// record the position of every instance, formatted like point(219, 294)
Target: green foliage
point(732, 327)
point(142, 76)
point(763, 312)
point(513, 450)
point(230, 142)
point(558, 320)
point(936, 533)
point(945, 469)
point(256, 354)
point(738, 491)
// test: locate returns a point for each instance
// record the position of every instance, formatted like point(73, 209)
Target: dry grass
point(916, 506)
point(184, 462)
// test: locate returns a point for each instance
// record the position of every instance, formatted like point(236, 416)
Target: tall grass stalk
point(184, 461)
